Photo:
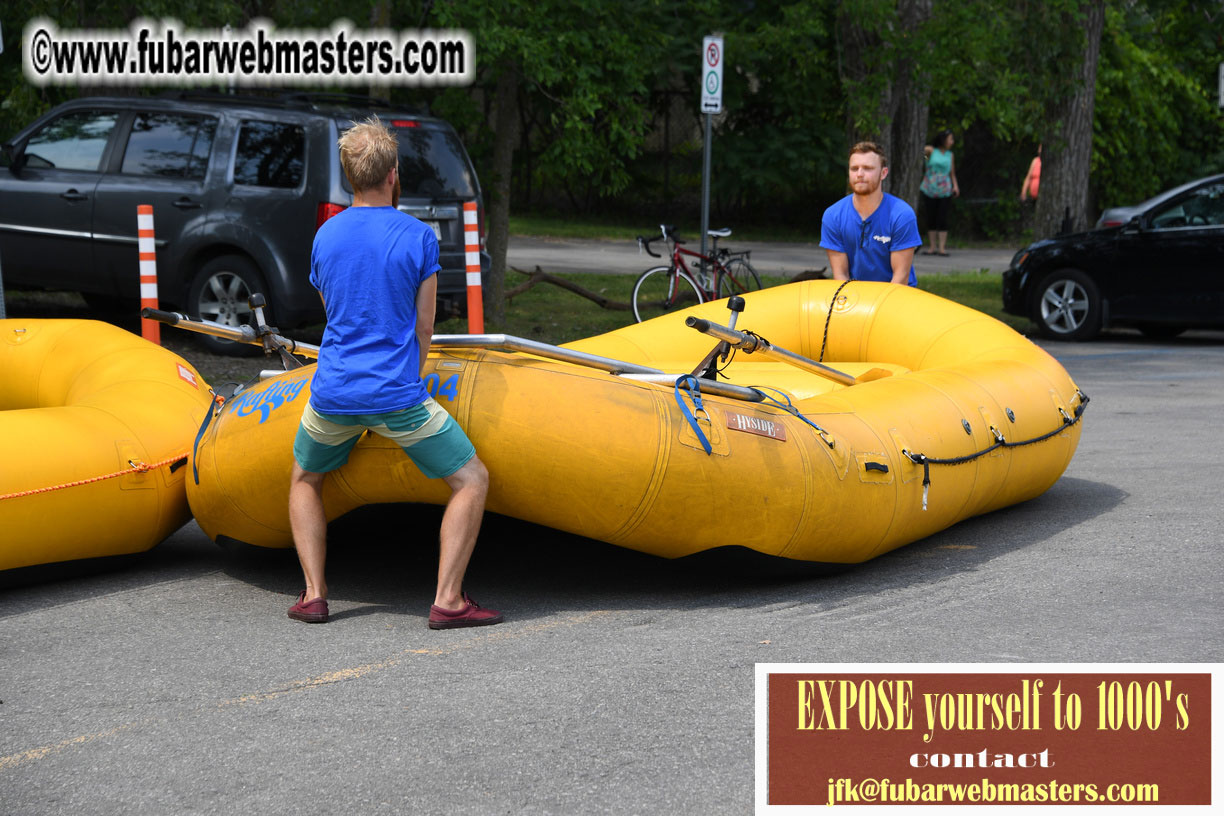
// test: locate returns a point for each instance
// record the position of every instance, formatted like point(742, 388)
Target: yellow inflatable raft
point(95, 426)
point(927, 413)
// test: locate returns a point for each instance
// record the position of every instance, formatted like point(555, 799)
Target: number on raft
point(449, 388)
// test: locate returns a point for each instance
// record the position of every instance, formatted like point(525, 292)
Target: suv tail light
point(325, 211)
point(405, 123)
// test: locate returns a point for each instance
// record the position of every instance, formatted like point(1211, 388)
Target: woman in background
point(939, 187)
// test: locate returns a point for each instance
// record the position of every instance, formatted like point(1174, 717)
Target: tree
point(589, 65)
point(1067, 153)
point(884, 62)
point(779, 138)
point(1156, 89)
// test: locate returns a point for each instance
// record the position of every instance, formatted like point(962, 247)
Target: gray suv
point(238, 184)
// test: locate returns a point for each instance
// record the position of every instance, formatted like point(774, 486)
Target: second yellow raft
point(95, 426)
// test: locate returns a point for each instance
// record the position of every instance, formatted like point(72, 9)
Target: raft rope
point(134, 466)
point(828, 317)
point(694, 389)
point(1000, 442)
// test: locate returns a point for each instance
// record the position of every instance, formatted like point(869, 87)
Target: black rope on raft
point(1000, 442)
point(828, 317)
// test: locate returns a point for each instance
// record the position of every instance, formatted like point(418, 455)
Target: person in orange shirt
point(1033, 180)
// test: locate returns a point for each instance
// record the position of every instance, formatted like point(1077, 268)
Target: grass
point(553, 315)
point(982, 290)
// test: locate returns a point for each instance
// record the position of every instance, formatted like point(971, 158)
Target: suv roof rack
point(317, 100)
point(310, 100)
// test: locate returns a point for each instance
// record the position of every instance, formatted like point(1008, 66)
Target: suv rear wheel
point(219, 292)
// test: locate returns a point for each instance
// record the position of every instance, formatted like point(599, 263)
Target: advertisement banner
point(984, 734)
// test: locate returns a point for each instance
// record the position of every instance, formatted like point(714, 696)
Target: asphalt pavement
point(775, 258)
point(620, 683)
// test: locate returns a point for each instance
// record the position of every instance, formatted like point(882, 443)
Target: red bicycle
point(720, 274)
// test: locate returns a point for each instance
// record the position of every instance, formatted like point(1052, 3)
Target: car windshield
point(433, 163)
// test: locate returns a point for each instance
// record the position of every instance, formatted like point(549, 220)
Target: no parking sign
point(711, 74)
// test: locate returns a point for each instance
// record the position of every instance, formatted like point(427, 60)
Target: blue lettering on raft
point(268, 400)
point(272, 398)
point(438, 388)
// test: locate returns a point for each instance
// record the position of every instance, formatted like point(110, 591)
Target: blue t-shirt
point(869, 242)
point(368, 263)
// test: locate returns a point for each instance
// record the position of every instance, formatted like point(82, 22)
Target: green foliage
point(21, 102)
point(1156, 119)
point(599, 81)
point(587, 69)
point(780, 136)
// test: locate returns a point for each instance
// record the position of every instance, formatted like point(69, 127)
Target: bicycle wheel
point(659, 291)
point(739, 278)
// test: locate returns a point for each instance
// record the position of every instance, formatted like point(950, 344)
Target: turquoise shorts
point(430, 436)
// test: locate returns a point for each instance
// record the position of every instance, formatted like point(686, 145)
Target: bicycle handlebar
point(644, 243)
point(668, 232)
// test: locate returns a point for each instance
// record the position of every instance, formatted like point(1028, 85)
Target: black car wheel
point(219, 292)
point(1068, 306)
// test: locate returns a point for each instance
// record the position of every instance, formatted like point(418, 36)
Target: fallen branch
point(540, 276)
point(811, 274)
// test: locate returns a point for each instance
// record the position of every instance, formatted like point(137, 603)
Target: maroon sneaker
point(313, 612)
point(470, 615)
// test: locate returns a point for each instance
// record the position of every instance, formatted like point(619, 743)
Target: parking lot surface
point(620, 683)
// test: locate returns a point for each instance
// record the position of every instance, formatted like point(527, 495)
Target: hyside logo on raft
point(268, 400)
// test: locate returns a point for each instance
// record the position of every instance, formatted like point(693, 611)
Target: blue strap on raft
point(694, 389)
point(208, 417)
point(786, 405)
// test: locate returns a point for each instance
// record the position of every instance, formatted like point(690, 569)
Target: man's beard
point(870, 188)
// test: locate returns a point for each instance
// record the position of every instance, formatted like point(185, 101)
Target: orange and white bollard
point(149, 329)
point(471, 240)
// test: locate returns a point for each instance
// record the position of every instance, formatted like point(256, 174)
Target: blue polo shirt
point(869, 242)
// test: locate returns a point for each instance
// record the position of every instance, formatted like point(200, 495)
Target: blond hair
point(368, 151)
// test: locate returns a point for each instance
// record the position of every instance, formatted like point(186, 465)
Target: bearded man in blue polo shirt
point(870, 234)
point(375, 268)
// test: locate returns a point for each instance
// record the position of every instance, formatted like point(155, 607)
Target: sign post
point(711, 103)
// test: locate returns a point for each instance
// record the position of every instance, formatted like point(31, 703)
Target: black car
point(1162, 271)
point(238, 184)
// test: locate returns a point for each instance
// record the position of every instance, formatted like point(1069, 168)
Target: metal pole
point(705, 199)
point(756, 343)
